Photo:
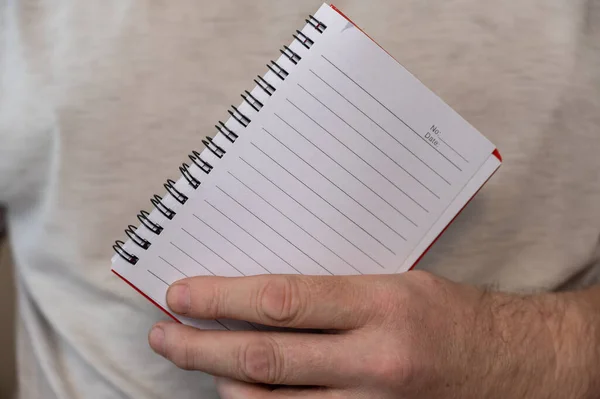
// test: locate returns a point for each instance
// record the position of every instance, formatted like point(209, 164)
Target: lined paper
point(347, 169)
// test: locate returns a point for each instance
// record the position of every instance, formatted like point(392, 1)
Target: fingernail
point(157, 340)
point(178, 298)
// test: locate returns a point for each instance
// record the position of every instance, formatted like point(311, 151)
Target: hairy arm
point(577, 339)
point(550, 341)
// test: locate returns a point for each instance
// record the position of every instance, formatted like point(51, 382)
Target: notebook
point(337, 162)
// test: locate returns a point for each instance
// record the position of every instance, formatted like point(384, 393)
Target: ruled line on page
point(324, 200)
point(256, 239)
point(172, 265)
point(347, 171)
point(192, 258)
point(227, 328)
point(367, 140)
point(382, 128)
point(392, 113)
point(312, 213)
point(361, 158)
point(275, 231)
point(336, 186)
point(152, 273)
point(229, 241)
point(452, 148)
point(211, 250)
point(225, 260)
point(296, 224)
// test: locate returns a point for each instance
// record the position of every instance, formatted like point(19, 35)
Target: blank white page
point(352, 166)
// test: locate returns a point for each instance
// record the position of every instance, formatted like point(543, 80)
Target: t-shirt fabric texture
point(101, 101)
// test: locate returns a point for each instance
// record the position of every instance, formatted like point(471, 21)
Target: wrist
point(544, 346)
point(578, 338)
point(572, 324)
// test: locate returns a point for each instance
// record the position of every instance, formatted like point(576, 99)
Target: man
point(101, 100)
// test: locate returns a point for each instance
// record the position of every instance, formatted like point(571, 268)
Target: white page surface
point(351, 167)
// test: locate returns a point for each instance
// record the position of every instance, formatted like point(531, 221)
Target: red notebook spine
point(146, 296)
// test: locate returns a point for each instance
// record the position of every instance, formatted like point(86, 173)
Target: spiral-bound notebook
point(338, 162)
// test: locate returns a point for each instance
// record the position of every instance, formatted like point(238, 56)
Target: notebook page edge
point(473, 187)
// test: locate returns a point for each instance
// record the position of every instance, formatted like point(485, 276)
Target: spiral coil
point(304, 40)
point(252, 101)
point(178, 195)
point(238, 116)
point(315, 23)
point(133, 236)
point(219, 152)
point(265, 86)
point(278, 70)
point(118, 247)
point(291, 55)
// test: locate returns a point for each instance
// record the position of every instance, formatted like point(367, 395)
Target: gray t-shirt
point(101, 100)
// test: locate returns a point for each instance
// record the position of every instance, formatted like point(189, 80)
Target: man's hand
point(411, 336)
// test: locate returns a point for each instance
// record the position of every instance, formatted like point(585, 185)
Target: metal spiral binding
point(178, 195)
point(144, 218)
point(278, 70)
point(185, 172)
point(157, 201)
point(315, 23)
point(227, 132)
point(240, 117)
point(215, 149)
point(118, 247)
point(266, 86)
point(132, 234)
point(201, 163)
point(291, 55)
point(252, 101)
point(303, 39)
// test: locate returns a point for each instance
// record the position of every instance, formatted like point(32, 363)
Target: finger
point(232, 389)
point(257, 357)
point(339, 303)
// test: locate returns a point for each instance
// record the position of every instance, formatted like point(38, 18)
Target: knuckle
point(425, 278)
point(425, 282)
point(213, 306)
point(388, 301)
point(189, 357)
point(282, 301)
point(393, 370)
point(260, 361)
point(398, 297)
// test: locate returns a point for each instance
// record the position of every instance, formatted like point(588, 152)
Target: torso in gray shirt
point(100, 101)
